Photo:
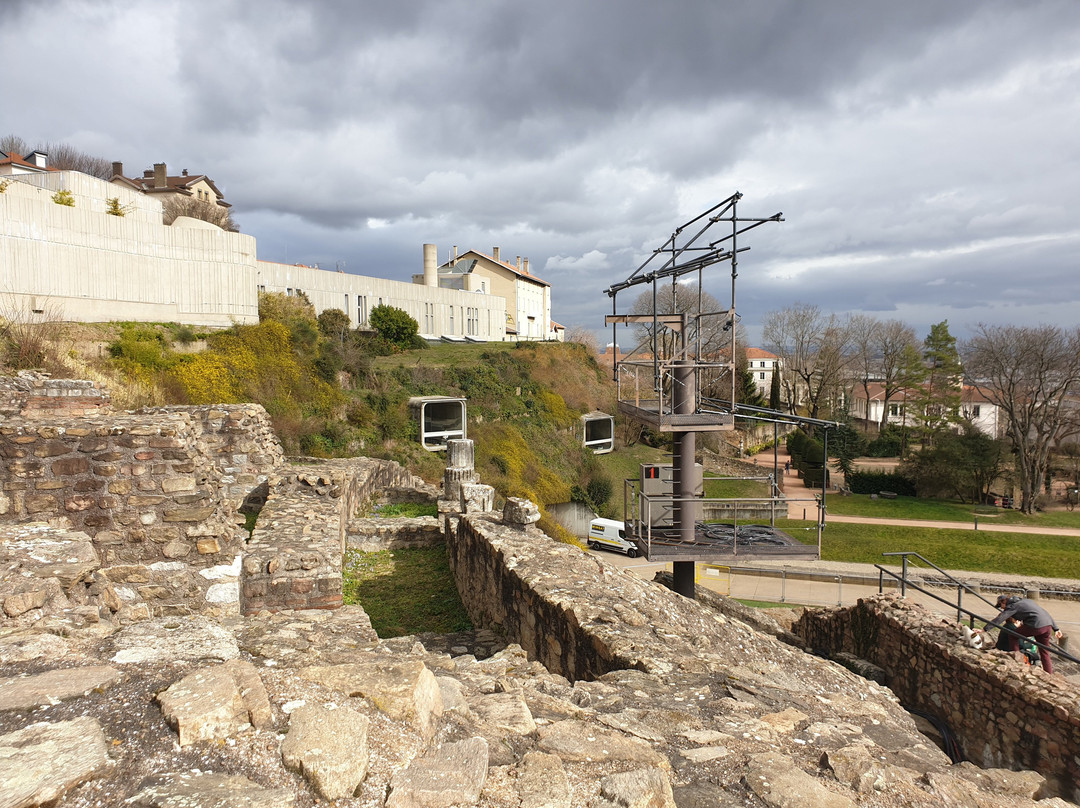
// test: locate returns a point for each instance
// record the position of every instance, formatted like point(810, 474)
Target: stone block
point(187, 514)
point(329, 748)
point(208, 546)
point(520, 512)
point(70, 465)
point(215, 703)
point(41, 504)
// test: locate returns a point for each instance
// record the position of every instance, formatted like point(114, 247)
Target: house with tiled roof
point(762, 364)
point(36, 162)
point(528, 298)
point(975, 407)
point(158, 182)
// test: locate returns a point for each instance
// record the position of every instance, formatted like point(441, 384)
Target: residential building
point(528, 298)
point(762, 364)
point(974, 406)
point(158, 182)
point(35, 162)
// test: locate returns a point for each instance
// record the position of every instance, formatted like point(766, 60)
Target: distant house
point(528, 298)
point(158, 182)
point(762, 364)
point(35, 162)
point(974, 406)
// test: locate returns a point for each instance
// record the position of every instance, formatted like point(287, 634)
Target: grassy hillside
point(333, 392)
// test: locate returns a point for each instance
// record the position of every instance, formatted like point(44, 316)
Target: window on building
point(451, 319)
point(761, 375)
point(346, 305)
point(975, 411)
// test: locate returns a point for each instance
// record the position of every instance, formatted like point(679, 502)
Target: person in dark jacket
point(1034, 622)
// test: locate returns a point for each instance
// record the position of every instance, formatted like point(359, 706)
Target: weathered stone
point(454, 774)
point(404, 690)
point(520, 512)
point(506, 712)
point(476, 498)
point(1026, 784)
point(70, 465)
point(216, 702)
point(28, 692)
point(204, 790)
point(641, 788)
point(40, 763)
point(329, 748)
point(578, 741)
point(170, 639)
point(542, 782)
point(779, 783)
point(208, 546)
point(176, 549)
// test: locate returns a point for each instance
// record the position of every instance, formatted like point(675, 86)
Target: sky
point(925, 155)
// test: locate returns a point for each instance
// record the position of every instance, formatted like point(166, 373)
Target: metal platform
point(724, 542)
point(648, 412)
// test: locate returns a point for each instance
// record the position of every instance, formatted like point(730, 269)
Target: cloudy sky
point(925, 154)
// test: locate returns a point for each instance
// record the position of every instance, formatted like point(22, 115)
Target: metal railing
point(961, 587)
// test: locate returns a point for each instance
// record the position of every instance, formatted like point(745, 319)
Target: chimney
point(184, 172)
point(148, 173)
point(519, 263)
point(159, 176)
point(431, 265)
point(495, 253)
point(454, 262)
point(525, 266)
point(118, 169)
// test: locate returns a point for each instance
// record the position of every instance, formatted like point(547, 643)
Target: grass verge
point(1021, 554)
point(941, 511)
point(405, 591)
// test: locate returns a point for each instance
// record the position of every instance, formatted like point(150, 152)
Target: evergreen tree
point(934, 379)
point(774, 390)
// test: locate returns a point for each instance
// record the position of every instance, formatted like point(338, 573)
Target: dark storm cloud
point(922, 152)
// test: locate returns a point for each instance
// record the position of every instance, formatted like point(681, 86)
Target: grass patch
point(406, 510)
point(405, 591)
point(768, 604)
point(1021, 554)
point(942, 511)
point(735, 489)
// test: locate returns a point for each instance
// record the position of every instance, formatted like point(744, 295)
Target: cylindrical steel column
point(687, 509)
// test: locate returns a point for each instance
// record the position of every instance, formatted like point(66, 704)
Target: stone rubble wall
point(157, 491)
point(34, 395)
point(294, 558)
point(370, 535)
point(1002, 712)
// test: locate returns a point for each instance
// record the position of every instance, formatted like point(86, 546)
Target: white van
point(610, 535)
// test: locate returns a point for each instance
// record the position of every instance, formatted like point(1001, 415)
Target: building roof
point(760, 353)
point(498, 262)
point(182, 183)
point(16, 160)
point(969, 394)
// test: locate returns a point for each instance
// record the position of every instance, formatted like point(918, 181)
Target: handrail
point(973, 617)
point(903, 581)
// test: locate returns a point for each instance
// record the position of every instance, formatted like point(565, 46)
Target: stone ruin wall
point(158, 491)
point(1002, 712)
point(294, 558)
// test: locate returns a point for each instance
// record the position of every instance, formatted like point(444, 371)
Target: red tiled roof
point(505, 265)
point(16, 160)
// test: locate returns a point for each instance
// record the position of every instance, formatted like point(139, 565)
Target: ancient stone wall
point(33, 395)
point(1002, 712)
point(157, 491)
point(293, 560)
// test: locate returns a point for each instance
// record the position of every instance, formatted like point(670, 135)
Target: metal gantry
point(660, 380)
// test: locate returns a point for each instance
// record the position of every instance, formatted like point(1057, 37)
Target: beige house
point(983, 414)
point(158, 182)
point(34, 163)
point(762, 365)
point(528, 298)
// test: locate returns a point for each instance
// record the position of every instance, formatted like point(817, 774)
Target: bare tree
point(13, 144)
point(68, 158)
point(814, 353)
point(865, 332)
point(583, 336)
point(1029, 374)
point(176, 206)
point(687, 299)
point(895, 339)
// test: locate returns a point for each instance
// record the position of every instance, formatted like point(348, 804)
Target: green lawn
point(1022, 554)
point(405, 591)
point(939, 510)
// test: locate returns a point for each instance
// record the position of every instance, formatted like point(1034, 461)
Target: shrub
point(64, 197)
point(394, 325)
point(872, 482)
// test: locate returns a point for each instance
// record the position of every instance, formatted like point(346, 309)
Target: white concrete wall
point(86, 265)
point(450, 312)
point(81, 264)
